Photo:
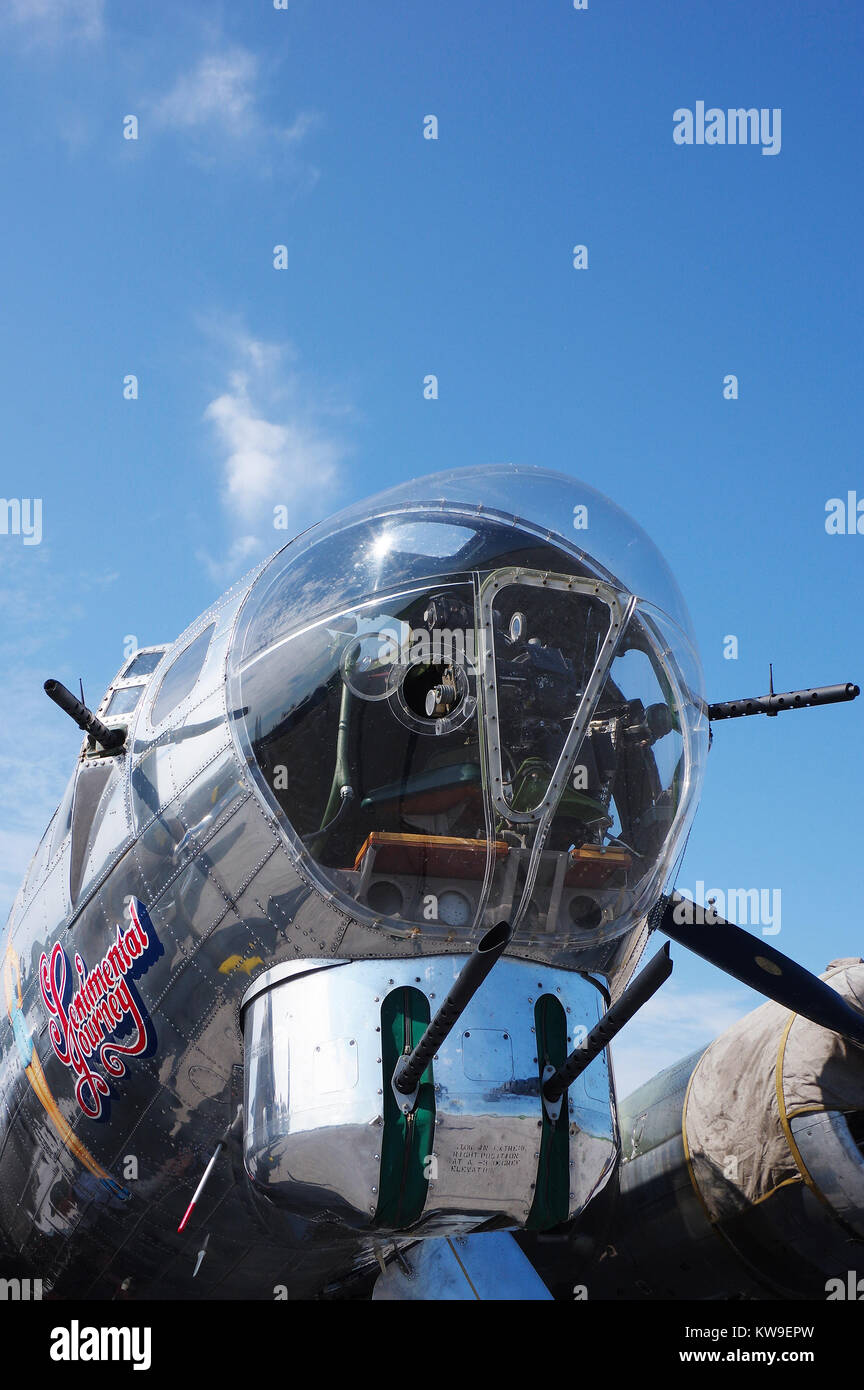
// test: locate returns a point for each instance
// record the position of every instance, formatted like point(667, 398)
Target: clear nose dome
point(476, 697)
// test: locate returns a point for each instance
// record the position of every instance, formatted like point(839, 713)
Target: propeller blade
point(752, 961)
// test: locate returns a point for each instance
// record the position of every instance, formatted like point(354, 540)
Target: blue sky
point(304, 127)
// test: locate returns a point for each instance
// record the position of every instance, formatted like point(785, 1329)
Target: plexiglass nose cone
point(497, 665)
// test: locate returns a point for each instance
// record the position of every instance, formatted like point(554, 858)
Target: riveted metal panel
point(315, 1092)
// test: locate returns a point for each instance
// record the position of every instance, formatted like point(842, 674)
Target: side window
point(181, 676)
point(109, 833)
point(92, 783)
point(63, 819)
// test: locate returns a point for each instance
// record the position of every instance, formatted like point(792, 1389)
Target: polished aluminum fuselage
point(91, 1203)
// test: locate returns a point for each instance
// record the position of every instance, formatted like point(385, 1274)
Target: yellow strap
point(787, 1182)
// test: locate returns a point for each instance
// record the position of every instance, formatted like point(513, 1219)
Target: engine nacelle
point(742, 1169)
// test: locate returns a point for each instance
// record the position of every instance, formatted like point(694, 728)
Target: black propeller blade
point(752, 961)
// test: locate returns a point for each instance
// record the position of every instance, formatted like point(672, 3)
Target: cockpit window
point(144, 664)
point(179, 680)
point(124, 700)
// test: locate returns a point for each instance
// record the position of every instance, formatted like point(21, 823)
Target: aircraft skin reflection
point(35, 1075)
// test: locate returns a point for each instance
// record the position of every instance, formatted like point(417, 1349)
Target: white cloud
point(671, 1025)
point(219, 90)
point(241, 555)
point(219, 96)
point(274, 432)
point(268, 462)
point(51, 22)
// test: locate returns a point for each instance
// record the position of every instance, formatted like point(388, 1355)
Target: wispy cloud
point(52, 22)
point(267, 460)
point(32, 604)
point(217, 102)
point(278, 448)
point(671, 1025)
point(36, 605)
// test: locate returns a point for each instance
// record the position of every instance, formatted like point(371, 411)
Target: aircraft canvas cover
point(794, 1068)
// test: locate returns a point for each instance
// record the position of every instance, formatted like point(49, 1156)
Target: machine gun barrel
point(410, 1068)
point(84, 718)
point(637, 993)
point(793, 699)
